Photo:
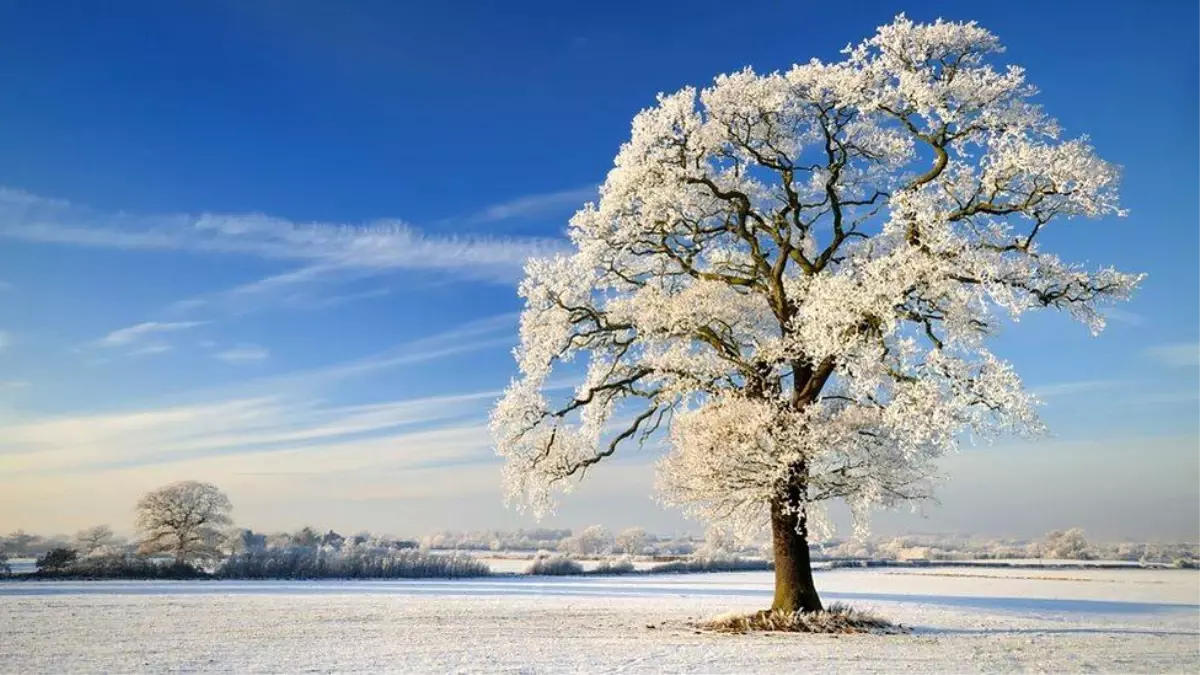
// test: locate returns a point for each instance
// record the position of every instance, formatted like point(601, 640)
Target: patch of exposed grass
point(837, 618)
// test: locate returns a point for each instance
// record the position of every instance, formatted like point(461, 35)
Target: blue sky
point(275, 245)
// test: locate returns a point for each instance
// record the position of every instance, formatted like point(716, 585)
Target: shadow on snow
point(573, 587)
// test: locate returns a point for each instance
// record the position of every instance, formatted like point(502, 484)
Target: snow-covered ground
point(964, 619)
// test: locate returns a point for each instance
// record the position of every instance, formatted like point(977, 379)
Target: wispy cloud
point(243, 354)
point(492, 332)
point(532, 206)
point(151, 349)
point(1058, 389)
point(6, 286)
point(1159, 398)
point(1179, 354)
point(321, 255)
point(1120, 315)
point(131, 334)
point(301, 288)
point(486, 333)
point(251, 434)
point(273, 423)
point(304, 301)
point(378, 245)
point(5, 340)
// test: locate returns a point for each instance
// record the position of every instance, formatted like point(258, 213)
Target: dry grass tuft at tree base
point(837, 619)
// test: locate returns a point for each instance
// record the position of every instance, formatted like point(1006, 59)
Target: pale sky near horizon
point(275, 246)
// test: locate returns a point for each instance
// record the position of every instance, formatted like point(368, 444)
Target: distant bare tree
point(592, 541)
point(306, 537)
point(718, 542)
point(246, 540)
point(185, 519)
point(89, 540)
point(631, 541)
point(333, 539)
point(1068, 545)
point(18, 542)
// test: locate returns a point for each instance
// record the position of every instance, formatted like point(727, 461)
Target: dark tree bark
point(794, 587)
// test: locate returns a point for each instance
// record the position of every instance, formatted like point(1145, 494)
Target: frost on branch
point(792, 277)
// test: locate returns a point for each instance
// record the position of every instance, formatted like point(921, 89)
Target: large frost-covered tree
point(187, 520)
point(794, 276)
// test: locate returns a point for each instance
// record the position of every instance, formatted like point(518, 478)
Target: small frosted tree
point(18, 542)
point(306, 537)
point(93, 539)
point(631, 541)
point(187, 520)
point(1067, 545)
point(592, 540)
point(796, 274)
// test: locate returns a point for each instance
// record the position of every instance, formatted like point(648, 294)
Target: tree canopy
point(185, 519)
point(796, 275)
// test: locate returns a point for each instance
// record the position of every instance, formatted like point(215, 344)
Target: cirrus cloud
point(243, 354)
point(131, 334)
point(1179, 354)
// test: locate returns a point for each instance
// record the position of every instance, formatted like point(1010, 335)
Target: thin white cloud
point(6, 286)
point(273, 423)
point(301, 288)
point(1166, 397)
point(302, 301)
point(532, 206)
point(151, 349)
point(493, 332)
point(318, 255)
point(5, 340)
point(261, 434)
point(131, 334)
point(1071, 388)
point(1179, 354)
point(1119, 315)
point(384, 245)
point(243, 354)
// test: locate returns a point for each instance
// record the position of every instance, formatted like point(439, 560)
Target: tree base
point(837, 619)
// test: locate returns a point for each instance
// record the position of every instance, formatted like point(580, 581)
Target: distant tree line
point(185, 530)
point(349, 561)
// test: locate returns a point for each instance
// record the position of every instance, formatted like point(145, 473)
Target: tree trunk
point(794, 588)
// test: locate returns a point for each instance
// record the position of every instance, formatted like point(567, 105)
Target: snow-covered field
point(965, 620)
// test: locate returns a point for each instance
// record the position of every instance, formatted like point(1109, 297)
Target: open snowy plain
point(964, 620)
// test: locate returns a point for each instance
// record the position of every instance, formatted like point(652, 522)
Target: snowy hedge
point(622, 565)
point(554, 565)
point(714, 564)
point(352, 562)
point(121, 566)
